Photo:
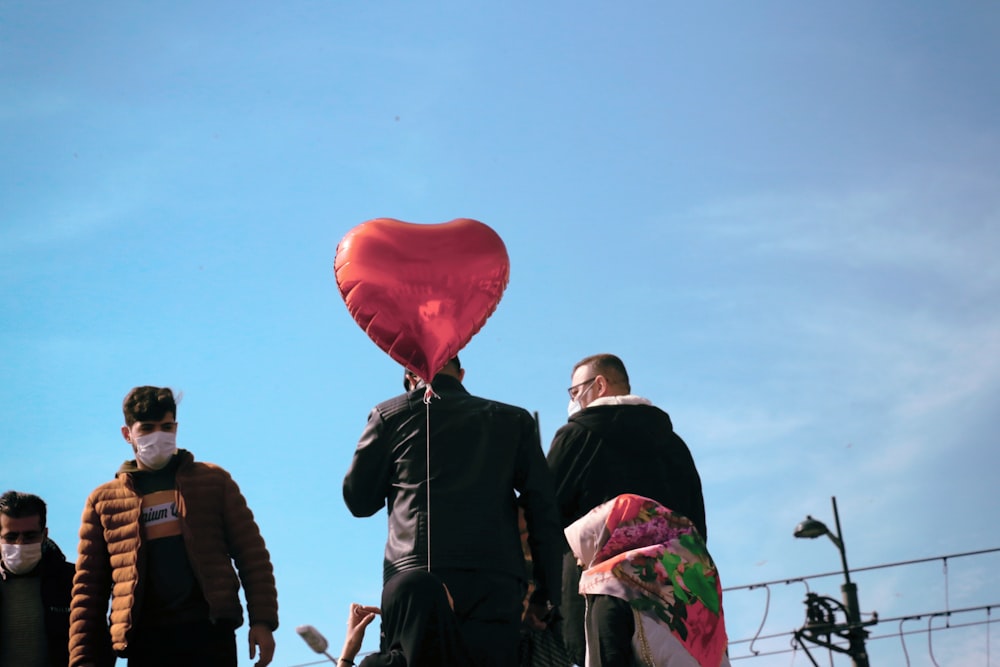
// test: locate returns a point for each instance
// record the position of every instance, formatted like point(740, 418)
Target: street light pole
point(856, 633)
point(822, 624)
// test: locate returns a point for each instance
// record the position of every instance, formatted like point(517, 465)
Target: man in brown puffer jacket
point(160, 541)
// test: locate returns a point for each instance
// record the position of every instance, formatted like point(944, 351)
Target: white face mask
point(21, 558)
point(154, 450)
point(574, 405)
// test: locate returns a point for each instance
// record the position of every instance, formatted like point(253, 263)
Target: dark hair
point(408, 375)
point(148, 404)
point(18, 505)
point(608, 365)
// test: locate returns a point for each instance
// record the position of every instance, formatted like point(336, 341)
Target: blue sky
point(782, 216)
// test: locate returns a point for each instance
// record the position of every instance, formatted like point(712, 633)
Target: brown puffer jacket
point(218, 529)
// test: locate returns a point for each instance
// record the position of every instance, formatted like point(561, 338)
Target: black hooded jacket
point(56, 589)
point(606, 450)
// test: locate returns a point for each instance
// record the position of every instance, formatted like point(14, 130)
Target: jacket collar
point(181, 459)
point(628, 399)
point(444, 383)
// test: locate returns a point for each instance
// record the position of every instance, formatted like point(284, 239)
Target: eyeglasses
point(575, 390)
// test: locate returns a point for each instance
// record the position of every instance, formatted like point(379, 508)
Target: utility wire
point(795, 580)
point(895, 635)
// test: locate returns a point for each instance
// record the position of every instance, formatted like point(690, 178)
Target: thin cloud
point(33, 105)
point(65, 221)
point(122, 193)
point(940, 224)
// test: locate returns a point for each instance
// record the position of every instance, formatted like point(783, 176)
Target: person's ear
point(461, 374)
point(600, 385)
point(127, 434)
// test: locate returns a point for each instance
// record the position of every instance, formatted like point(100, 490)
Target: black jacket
point(607, 450)
point(481, 452)
point(56, 589)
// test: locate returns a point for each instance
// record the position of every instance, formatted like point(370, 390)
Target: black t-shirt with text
point(170, 590)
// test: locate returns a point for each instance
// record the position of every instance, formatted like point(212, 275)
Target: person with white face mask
point(614, 443)
point(177, 600)
point(36, 584)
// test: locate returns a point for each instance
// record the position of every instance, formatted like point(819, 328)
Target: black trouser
point(572, 610)
point(489, 607)
point(609, 622)
point(201, 644)
point(419, 629)
point(610, 628)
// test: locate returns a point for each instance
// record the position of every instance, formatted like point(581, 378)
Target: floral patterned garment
point(635, 549)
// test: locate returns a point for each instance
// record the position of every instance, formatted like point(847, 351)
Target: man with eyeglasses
point(36, 582)
point(614, 443)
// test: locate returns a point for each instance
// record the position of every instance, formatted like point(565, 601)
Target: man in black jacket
point(36, 584)
point(453, 509)
point(615, 443)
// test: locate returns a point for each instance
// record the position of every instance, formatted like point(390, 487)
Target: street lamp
point(315, 639)
point(820, 612)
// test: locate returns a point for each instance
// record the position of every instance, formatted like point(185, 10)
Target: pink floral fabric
point(635, 549)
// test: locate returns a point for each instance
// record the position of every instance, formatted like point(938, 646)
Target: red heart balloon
point(421, 292)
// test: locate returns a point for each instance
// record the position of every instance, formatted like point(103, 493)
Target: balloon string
point(428, 395)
